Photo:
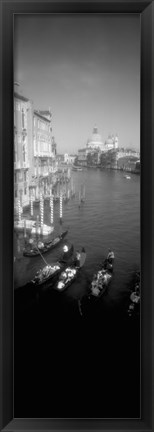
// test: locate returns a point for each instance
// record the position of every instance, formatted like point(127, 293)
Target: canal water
point(57, 348)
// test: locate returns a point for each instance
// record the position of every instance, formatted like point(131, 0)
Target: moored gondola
point(51, 271)
point(33, 251)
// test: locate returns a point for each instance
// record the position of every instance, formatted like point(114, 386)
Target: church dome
point(95, 140)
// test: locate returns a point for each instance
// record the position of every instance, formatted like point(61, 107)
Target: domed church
point(95, 141)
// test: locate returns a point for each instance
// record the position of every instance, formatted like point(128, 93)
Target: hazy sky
point(87, 69)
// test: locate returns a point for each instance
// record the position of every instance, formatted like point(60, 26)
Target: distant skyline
point(86, 68)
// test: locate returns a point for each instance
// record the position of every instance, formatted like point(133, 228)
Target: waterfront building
point(35, 150)
point(128, 161)
point(42, 155)
point(69, 159)
point(82, 156)
point(132, 152)
point(23, 137)
point(60, 158)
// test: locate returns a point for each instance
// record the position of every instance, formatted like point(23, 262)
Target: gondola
point(33, 251)
point(102, 278)
point(48, 272)
point(69, 275)
point(135, 297)
point(51, 271)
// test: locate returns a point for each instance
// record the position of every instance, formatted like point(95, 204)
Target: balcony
point(21, 165)
point(43, 154)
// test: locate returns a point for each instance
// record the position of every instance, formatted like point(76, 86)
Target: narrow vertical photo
point(76, 237)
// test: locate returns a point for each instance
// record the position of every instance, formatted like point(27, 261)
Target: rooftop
point(19, 96)
point(41, 116)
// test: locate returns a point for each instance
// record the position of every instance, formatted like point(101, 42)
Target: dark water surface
point(68, 365)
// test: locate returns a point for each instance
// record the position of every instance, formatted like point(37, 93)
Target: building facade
point(41, 157)
point(23, 138)
point(69, 159)
point(35, 152)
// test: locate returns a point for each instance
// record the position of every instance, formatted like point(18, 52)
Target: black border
point(146, 11)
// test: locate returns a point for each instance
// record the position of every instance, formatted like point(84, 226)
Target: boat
point(102, 278)
point(51, 271)
point(43, 247)
point(46, 273)
point(76, 168)
point(135, 297)
point(127, 177)
point(69, 275)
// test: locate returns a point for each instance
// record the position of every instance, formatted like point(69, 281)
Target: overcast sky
point(87, 69)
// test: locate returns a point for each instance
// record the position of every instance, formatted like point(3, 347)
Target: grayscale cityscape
point(77, 216)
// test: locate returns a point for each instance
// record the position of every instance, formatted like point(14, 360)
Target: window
point(25, 176)
point(17, 106)
point(20, 176)
point(23, 119)
point(25, 190)
point(16, 194)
